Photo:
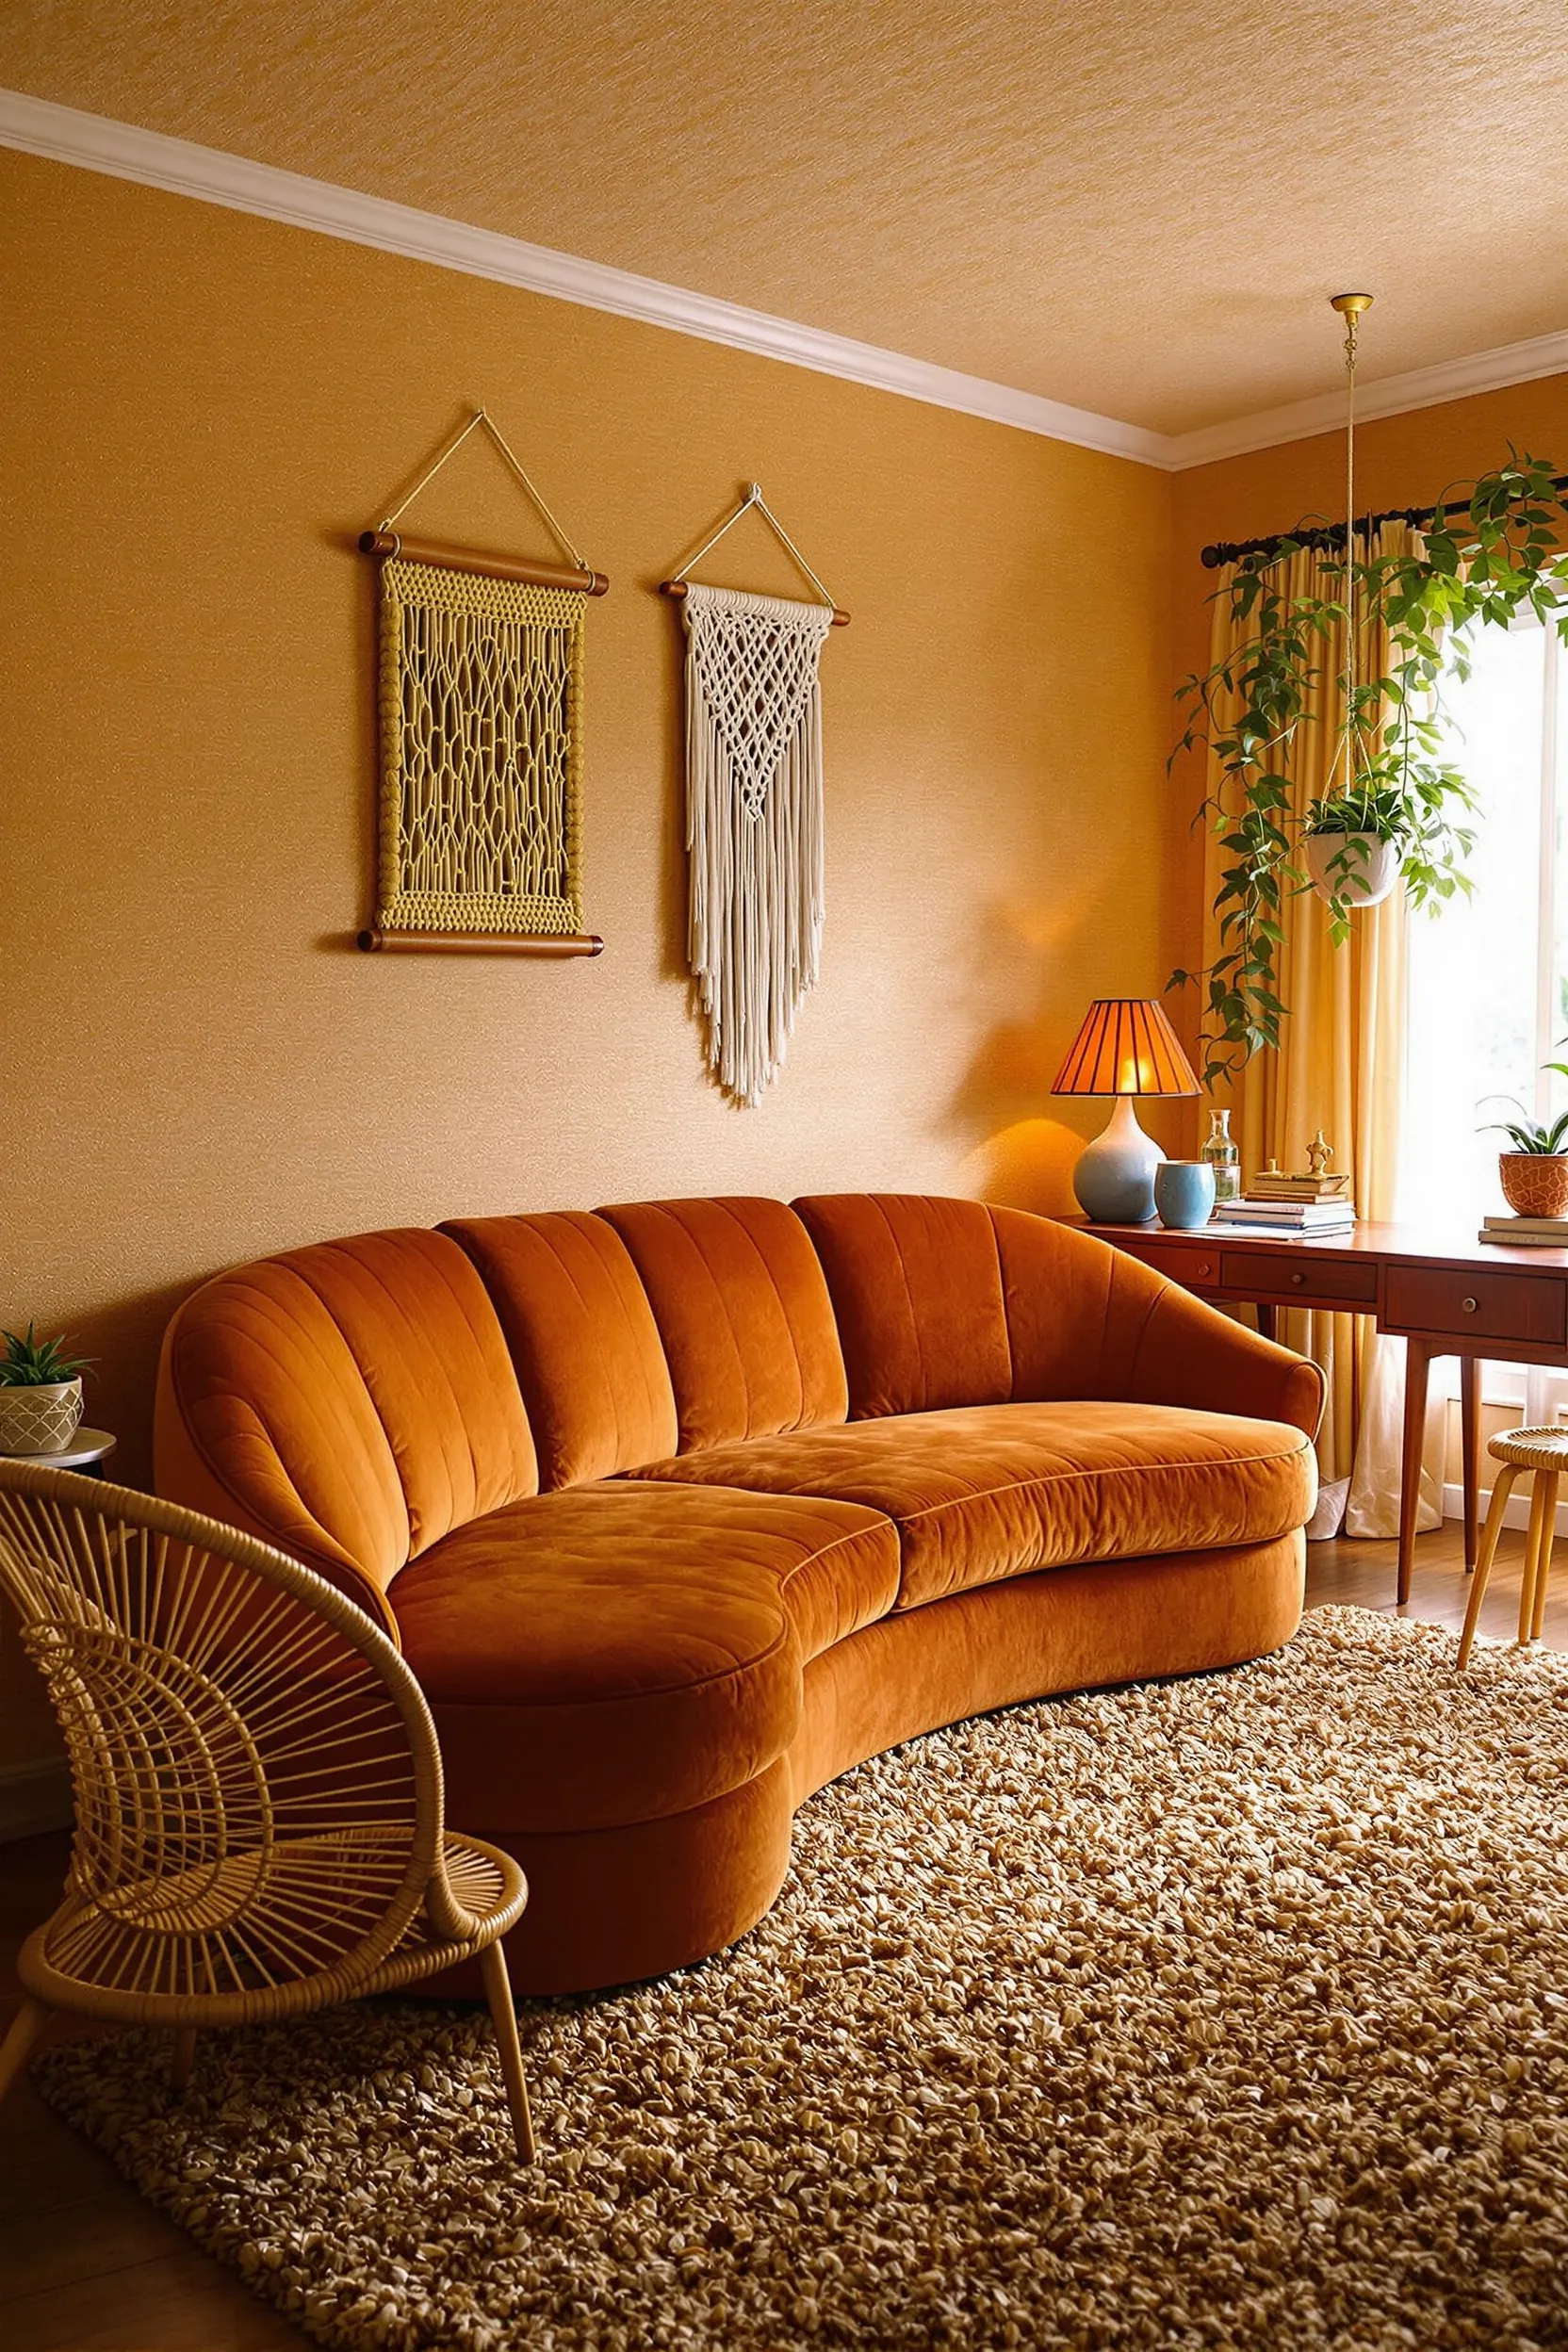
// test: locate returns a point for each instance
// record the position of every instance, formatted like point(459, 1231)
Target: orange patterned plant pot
point(1535, 1184)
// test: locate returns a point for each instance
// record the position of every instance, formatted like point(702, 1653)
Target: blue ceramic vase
point(1183, 1193)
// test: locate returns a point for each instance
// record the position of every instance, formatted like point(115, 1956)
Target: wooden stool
point(1545, 1452)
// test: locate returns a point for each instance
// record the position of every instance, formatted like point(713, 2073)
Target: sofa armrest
point(1188, 1353)
point(182, 1473)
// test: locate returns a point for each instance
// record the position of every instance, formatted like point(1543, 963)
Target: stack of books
point(1274, 1216)
point(1269, 1185)
point(1526, 1232)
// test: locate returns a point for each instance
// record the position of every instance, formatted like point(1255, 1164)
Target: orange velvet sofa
point(679, 1510)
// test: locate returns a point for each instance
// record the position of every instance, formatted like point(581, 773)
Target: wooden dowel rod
point(384, 543)
point(677, 588)
point(478, 943)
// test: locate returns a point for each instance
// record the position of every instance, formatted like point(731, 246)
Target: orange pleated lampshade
point(1125, 1045)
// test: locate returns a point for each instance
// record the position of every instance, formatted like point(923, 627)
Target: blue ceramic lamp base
point(1114, 1178)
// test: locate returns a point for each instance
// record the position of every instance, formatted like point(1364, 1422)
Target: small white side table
point(86, 1451)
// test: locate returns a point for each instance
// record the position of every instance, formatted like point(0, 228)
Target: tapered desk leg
point(1416, 1364)
point(1470, 1440)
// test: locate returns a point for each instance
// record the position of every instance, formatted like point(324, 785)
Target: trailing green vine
point(1483, 561)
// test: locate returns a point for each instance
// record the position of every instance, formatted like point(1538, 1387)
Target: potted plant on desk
point(1534, 1175)
point(41, 1393)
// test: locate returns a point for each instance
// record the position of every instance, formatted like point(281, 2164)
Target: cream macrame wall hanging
point(480, 699)
point(754, 811)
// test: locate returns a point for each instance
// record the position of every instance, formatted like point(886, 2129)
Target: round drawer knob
point(1469, 1305)
point(1297, 1280)
point(1204, 1268)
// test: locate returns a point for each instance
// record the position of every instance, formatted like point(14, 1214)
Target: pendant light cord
point(1349, 307)
point(1351, 648)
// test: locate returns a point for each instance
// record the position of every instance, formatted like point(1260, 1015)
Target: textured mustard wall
point(203, 408)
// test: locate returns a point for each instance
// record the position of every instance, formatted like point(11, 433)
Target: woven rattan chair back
point(256, 1778)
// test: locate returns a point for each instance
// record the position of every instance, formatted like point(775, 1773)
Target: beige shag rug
point(1228, 2015)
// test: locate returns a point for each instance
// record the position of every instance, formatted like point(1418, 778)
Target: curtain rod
point(1332, 535)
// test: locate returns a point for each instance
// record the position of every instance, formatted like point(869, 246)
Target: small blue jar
point(1183, 1193)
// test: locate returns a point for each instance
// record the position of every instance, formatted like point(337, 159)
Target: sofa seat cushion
point(616, 1652)
point(985, 1492)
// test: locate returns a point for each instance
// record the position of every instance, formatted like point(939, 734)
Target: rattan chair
point(256, 1778)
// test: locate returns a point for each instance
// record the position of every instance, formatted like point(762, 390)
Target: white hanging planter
point(1358, 869)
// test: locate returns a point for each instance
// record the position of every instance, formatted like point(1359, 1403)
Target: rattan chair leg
point(497, 1992)
point(1550, 1480)
point(1502, 1487)
point(184, 2058)
point(26, 2027)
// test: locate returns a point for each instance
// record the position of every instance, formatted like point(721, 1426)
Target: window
point(1489, 976)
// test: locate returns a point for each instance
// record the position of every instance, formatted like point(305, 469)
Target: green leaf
point(30, 1363)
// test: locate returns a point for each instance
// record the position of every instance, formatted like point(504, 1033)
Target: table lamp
point(1125, 1047)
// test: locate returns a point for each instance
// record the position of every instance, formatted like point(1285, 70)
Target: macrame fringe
point(754, 824)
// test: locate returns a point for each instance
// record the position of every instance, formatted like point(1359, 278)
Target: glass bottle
point(1224, 1157)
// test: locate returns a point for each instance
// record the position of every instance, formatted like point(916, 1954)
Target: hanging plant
point(1484, 560)
point(1355, 843)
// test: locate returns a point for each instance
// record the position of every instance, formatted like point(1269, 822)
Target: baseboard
point(33, 1798)
point(1516, 1513)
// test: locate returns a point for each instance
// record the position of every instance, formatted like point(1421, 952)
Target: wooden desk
point(1443, 1296)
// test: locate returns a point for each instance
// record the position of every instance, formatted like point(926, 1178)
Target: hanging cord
point(754, 498)
point(482, 416)
point(1352, 647)
point(1351, 307)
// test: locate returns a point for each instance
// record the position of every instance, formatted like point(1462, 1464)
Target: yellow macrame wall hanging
point(481, 709)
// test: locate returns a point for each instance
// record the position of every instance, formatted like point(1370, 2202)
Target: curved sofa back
point(582, 1336)
point(954, 1302)
point(744, 1312)
point(353, 1402)
point(356, 1400)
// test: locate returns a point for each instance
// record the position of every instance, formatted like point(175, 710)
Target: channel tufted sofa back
point(942, 1302)
point(357, 1400)
point(744, 1316)
point(583, 1341)
point(352, 1401)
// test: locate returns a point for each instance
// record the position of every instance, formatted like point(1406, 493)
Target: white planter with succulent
point(1355, 844)
point(41, 1395)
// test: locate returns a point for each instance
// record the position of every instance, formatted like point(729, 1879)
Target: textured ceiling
point(1139, 209)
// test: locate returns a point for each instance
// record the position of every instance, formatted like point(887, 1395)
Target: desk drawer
point(1312, 1281)
point(1194, 1269)
point(1473, 1304)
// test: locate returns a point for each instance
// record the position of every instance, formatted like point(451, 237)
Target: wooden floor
point(86, 2266)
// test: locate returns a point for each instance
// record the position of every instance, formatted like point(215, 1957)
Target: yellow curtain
point(1340, 1067)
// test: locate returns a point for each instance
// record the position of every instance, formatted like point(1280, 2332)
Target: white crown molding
point(65, 135)
point(126, 151)
point(1388, 396)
